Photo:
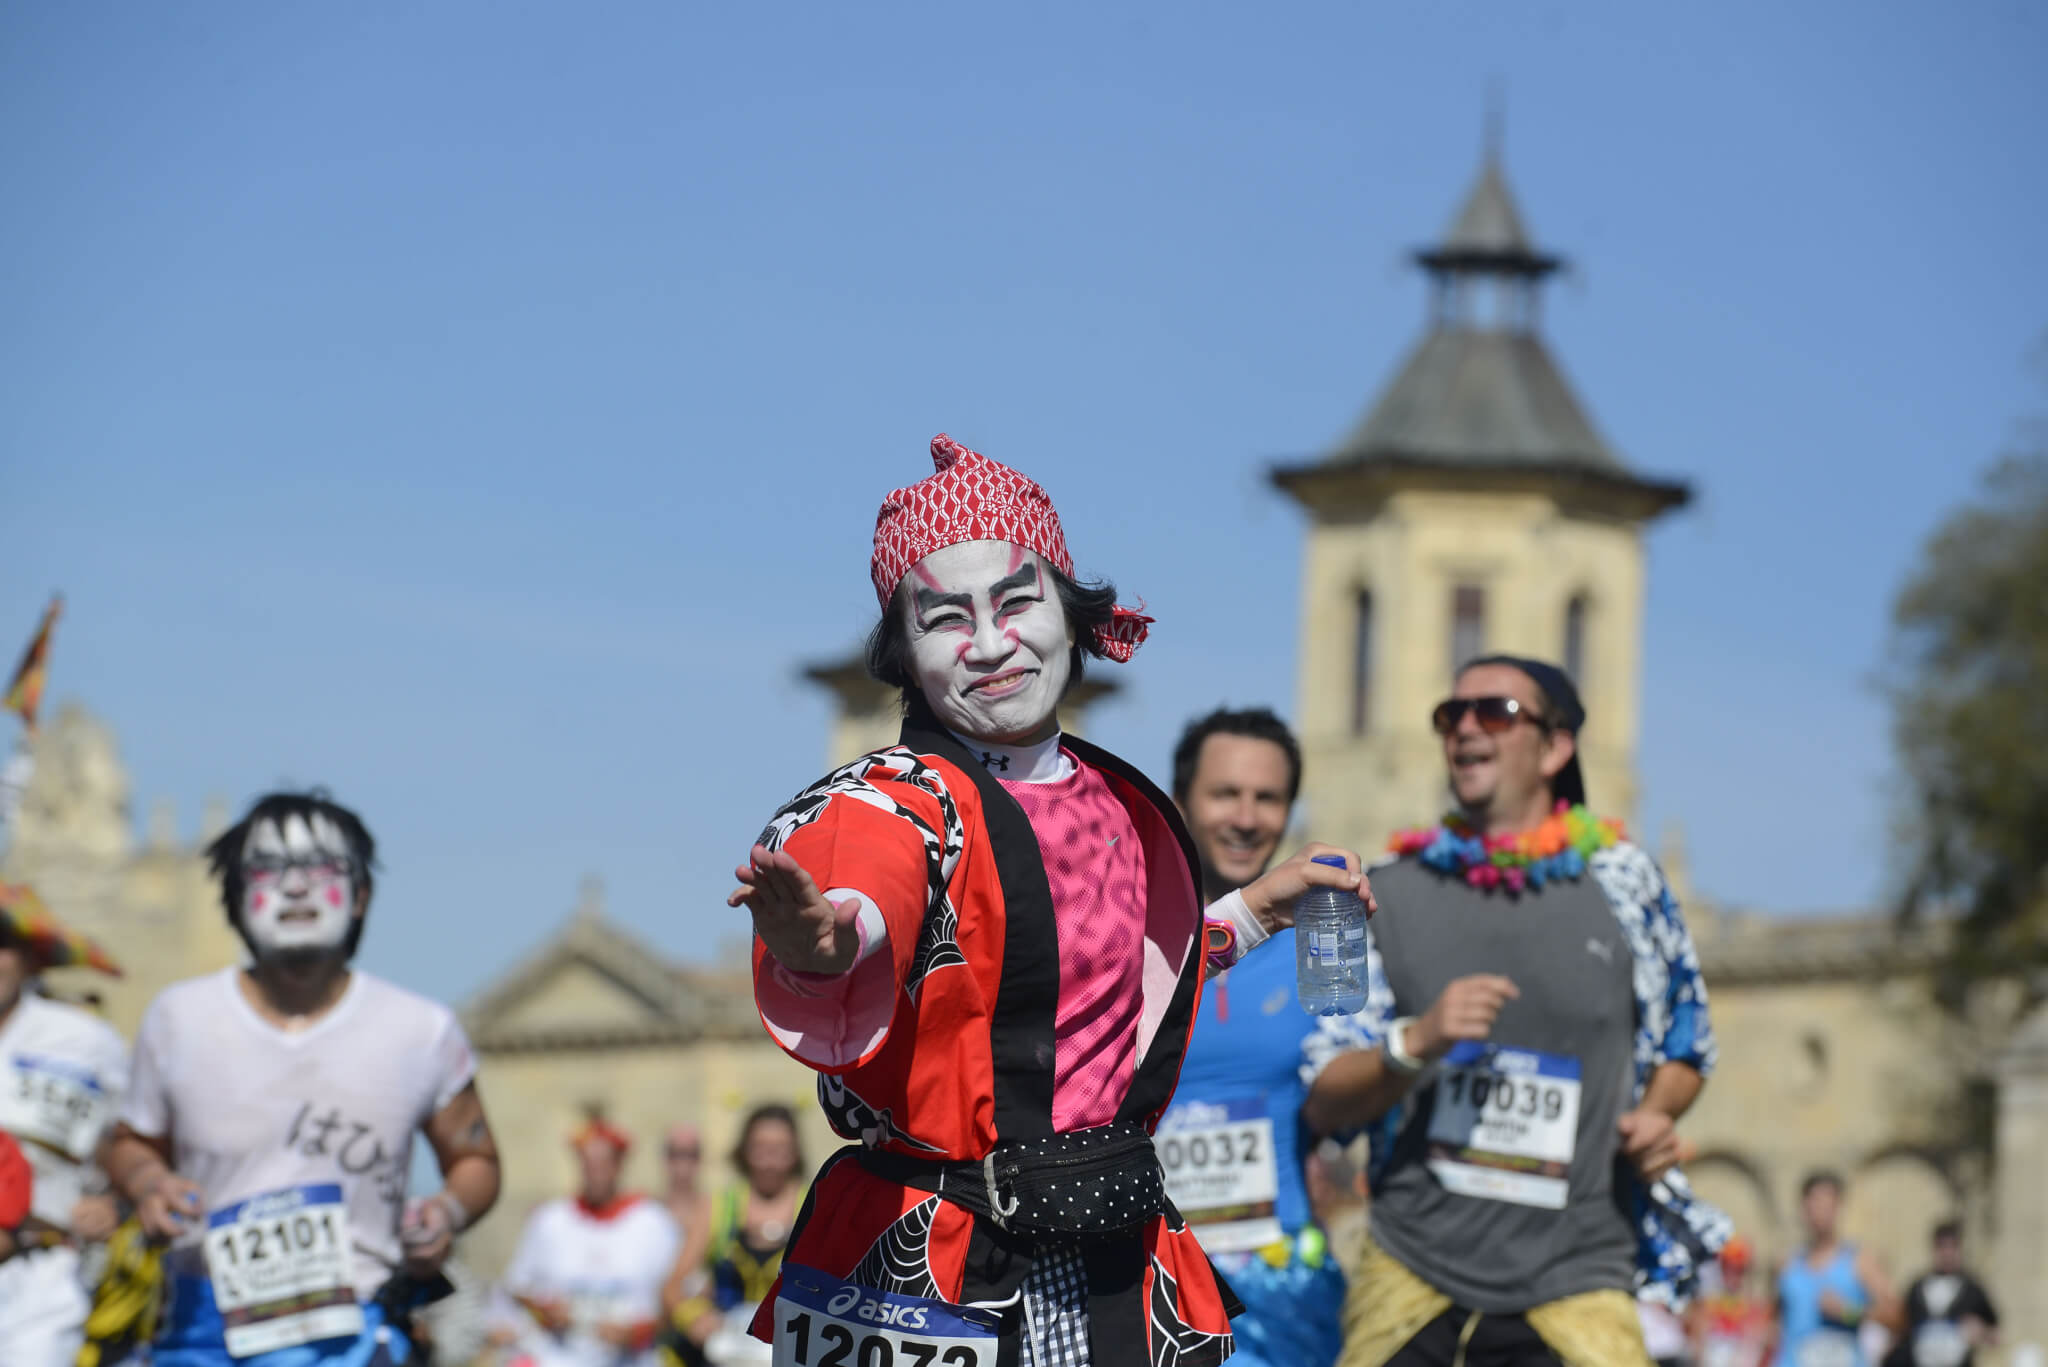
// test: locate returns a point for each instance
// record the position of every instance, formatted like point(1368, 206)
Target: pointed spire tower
point(1475, 508)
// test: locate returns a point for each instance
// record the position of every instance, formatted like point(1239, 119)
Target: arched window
point(1468, 625)
point(1575, 614)
point(1361, 663)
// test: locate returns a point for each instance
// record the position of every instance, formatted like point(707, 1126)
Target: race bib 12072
point(1220, 1171)
point(821, 1321)
point(279, 1264)
point(1505, 1124)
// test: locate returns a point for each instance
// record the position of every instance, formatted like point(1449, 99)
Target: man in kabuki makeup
point(268, 1129)
point(989, 942)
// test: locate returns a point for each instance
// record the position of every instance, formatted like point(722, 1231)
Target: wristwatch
point(1395, 1047)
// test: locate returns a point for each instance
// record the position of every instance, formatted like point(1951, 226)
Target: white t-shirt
point(63, 1071)
point(609, 1269)
point(252, 1109)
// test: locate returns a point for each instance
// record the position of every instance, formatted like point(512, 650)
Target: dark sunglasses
point(1494, 715)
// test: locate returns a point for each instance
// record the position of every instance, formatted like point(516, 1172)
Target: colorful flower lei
point(1558, 848)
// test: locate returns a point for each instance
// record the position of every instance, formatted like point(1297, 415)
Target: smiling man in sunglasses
point(1540, 1026)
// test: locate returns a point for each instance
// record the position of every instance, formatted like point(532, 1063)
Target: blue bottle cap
point(1335, 861)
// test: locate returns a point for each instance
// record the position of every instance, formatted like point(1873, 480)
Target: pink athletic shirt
point(1096, 866)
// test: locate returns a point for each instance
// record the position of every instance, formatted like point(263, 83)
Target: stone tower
point(156, 908)
point(1474, 509)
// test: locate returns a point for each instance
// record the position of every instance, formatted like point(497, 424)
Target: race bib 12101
point(821, 1321)
point(279, 1264)
point(1220, 1171)
point(1505, 1124)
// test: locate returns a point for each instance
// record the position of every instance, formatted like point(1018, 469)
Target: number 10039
point(1504, 1094)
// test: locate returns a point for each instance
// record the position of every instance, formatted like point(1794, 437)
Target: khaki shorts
point(1387, 1305)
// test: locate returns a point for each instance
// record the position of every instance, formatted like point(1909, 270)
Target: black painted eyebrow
point(927, 600)
point(1026, 577)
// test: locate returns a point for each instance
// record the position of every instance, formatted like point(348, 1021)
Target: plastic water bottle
point(1329, 948)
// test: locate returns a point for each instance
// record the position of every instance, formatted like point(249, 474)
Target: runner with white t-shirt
point(62, 1071)
point(586, 1278)
point(268, 1133)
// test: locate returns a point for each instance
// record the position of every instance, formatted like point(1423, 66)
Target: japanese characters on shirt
point(260, 1117)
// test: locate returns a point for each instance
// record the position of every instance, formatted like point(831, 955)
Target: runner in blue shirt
point(1234, 1142)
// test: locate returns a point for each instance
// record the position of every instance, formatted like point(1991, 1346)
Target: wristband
point(1395, 1047)
point(458, 1214)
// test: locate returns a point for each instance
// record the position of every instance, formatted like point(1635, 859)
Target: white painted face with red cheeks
point(989, 640)
point(298, 885)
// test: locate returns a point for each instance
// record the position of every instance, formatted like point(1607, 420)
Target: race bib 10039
point(279, 1263)
point(53, 1102)
point(1220, 1170)
point(821, 1321)
point(1505, 1124)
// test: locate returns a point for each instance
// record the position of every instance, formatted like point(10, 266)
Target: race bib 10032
point(1220, 1170)
point(53, 1102)
point(821, 1321)
point(1505, 1124)
point(279, 1264)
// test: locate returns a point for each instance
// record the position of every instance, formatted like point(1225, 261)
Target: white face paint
point(989, 642)
point(298, 885)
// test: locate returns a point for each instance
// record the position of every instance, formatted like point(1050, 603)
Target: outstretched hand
point(802, 928)
point(1271, 895)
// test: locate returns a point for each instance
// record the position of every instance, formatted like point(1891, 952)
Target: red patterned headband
point(973, 498)
point(604, 1132)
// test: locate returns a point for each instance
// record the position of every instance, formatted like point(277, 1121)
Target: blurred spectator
point(1731, 1321)
point(1663, 1334)
point(1949, 1315)
point(1830, 1288)
point(588, 1271)
point(750, 1224)
point(689, 1205)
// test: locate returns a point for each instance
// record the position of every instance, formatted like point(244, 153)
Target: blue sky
point(481, 409)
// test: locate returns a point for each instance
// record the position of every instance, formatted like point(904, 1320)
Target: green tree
point(1970, 716)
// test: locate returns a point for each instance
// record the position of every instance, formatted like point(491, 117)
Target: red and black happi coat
point(967, 1060)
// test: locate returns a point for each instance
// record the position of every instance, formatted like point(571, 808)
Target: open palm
point(801, 927)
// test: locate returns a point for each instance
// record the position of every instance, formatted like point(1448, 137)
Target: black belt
point(1062, 1186)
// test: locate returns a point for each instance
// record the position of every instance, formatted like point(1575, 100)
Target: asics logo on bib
point(273, 1203)
point(875, 1309)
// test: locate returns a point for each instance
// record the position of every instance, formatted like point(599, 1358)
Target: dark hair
point(1948, 1229)
point(1259, 723)
point(1824, 1177)
point(761, 1114)
point(225, 853)
point(1088, 606)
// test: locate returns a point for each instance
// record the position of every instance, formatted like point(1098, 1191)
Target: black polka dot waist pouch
point(1062, 1186)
